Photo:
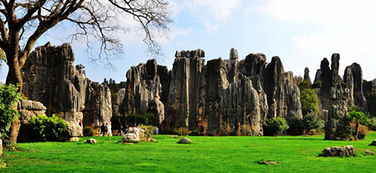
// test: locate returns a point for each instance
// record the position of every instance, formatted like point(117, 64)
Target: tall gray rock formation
point(143, 90)
point(306, 75)
point(222, 97)
point(337, 95)
point(50, 78)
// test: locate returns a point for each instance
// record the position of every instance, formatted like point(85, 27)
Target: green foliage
point(183, 131)
point(309, 101)
point(88, 131)
point(48, 128)
point(149, 130)
point(9, 95)
point(317, 84)
point(312, 122)
point(304, 85)
point(142, 119)
point(357, 116)
point(275, 126)
point(296, 126)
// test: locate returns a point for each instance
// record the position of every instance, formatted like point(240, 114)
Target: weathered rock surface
point(51, 78)
point(344, 151)
point(306, 76)
point(91, 141)
point(28, 109)
point(184, 141)
point(136, 134)
point(337, 95)
point(222, 97)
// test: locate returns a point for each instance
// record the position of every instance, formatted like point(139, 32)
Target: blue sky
point(300, 32)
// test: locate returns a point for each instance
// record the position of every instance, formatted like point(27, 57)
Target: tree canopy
point(23, 22)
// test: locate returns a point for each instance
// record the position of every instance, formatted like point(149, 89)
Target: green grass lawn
point(206, 154)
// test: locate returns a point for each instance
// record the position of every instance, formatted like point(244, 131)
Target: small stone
point(184, 141)
point(74, 139)
point(268, 162)
point(91, 141)
point(373, 143)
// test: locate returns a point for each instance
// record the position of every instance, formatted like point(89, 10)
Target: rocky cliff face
point(222, 97)
point(337, 94)
point(51, 78)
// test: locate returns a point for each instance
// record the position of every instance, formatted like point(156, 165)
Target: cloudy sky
point(300, 32)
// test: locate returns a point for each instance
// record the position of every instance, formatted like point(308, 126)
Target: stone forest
point(222, 107)
point(229, 96)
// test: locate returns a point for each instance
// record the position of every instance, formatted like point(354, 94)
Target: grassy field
point(206, 154)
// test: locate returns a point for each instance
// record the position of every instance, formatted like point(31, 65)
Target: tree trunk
point(14, 74)
point(356, 130)
point(14, 77)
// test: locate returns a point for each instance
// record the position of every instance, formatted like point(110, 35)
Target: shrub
point(149, 130)
point(48, 128)
point(142, 119)
point(275, 126)
point(9, 95)
point(88, 131)
point(296, 126)
point(359, 118)
point(183, 131)
point(312, 122)
point(309, 101)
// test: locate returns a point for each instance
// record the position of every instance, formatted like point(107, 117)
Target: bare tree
point(23, 22)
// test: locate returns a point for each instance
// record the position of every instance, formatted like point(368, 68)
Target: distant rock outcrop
point(50, 78)
point(337, 94)
point(222, 97)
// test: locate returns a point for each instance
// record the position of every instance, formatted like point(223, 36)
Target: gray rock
point(51, 78)
point(28, 109)
point(234, 54)
point(344, 151)
point(221, 97)
point(91, 141)
point(184, 141)
point(306, 75)
point(353, 77)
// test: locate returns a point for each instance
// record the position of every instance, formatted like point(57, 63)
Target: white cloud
point(322, 11)
point(327, 26)
point(212, 13)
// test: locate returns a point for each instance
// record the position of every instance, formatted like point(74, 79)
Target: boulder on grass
point(91, 141)
point(345, 151)
point(135, 135)
point(74, 139)
point(184, 141)
point(373, 143)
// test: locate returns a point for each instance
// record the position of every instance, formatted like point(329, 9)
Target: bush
point(275, 126)
point(309, 101)
point(296, 126)
point(312, 122)
point(149, 130)
point(88, 131)
point(9, 96)
point(142, 119)
point(183, 131)
point(46, 128)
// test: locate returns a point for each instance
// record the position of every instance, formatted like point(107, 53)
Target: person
point(103, 129)
point(156, 131)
